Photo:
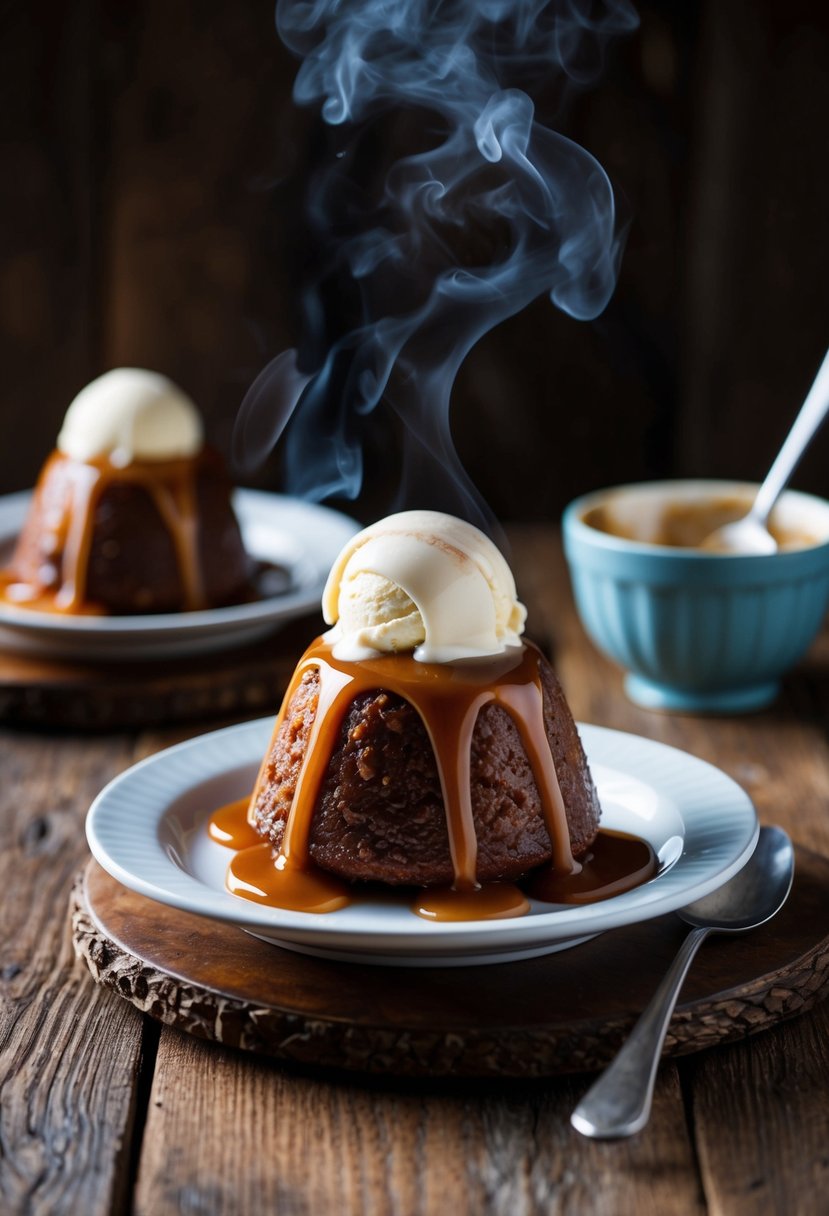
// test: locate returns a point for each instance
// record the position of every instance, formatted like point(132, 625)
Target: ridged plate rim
point(304, 536)
point(147, 829)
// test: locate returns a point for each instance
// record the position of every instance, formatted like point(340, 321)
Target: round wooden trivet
point(566, 1012)
point(38, 691)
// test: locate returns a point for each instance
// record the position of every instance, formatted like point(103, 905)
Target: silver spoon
point(750, 534)
point(619, 1103)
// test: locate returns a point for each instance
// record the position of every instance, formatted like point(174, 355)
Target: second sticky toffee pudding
point(132, 513)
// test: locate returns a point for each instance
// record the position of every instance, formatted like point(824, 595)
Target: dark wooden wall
point(152, 171)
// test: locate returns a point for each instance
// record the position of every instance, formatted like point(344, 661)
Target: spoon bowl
point(754, 895)
point(619, 1103)
point(747, 536)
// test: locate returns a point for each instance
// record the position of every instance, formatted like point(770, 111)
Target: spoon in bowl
point(750, 534)
point(619, 1103)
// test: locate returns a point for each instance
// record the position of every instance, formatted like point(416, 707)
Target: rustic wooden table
point(104, 1111)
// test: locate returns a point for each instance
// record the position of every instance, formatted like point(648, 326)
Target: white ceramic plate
point(148, 829)
point(301, 537)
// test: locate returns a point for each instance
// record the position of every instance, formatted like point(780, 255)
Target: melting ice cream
point(130, 414)
point(426, 582)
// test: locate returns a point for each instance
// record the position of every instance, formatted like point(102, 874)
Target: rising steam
point(496, 211)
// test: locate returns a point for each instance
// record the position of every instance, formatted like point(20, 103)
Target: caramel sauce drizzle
point(616, 862)
point(229, 826)
point(171, 484)
point(448, 698)
point(492, 901)
point(254, 875)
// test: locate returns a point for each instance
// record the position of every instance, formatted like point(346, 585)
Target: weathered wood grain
point(48, 206)
point(565, 1013)
point(224, 1132)
point(765, 1109)
point(759, 1113)
point(68, 1059)
point(754, 332)
point(45, 692)
point(227, 1134)
point(153, 191)
point(205, 178)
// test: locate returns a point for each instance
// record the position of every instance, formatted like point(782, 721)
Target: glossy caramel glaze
point(492, 901)
point(448, 698)
point(229, 826)
point(616, 862)
point(254, 873)
point(50, 571)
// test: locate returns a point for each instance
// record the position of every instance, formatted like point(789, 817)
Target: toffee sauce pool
point(448, 698)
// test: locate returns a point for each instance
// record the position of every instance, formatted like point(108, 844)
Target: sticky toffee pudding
point(456, 776)
point(132, 513)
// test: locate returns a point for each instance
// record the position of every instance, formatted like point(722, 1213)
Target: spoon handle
point(812, 413)
point(619, 1103)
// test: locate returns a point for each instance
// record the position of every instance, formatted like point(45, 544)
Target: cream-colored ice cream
point(425, 582)
point(130, 414)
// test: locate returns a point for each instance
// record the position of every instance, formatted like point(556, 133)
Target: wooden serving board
point(566, 1012)
point(250, 680)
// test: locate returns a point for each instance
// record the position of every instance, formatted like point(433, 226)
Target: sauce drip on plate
point(448, 698)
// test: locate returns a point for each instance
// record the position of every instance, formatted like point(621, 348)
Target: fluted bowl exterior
point(696, 629)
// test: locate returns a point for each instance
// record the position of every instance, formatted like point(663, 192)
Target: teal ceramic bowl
point(696, 631)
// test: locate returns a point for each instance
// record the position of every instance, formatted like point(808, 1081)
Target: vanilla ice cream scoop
point(130, 414)
point(425, 582)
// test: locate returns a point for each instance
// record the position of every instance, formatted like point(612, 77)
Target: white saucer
point(148, 830)
point(300, 536)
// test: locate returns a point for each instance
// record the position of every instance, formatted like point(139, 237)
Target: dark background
point(153, 175)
